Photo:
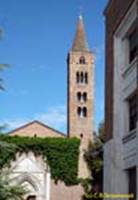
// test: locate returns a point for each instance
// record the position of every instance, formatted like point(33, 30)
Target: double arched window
point(82, 112)
point(82, 97)
point(82, 77)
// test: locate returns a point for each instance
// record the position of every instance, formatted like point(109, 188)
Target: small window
point(133, 112)
point(82, 77)
point(84, 96)
point(133, 45)
point(86, 77)
point(77, 77)
point(82, 60)
point(79, 96)
point(35, 135)
point(79, 111)
point(84, 112)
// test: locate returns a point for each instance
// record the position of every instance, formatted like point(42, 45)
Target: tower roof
point(80, 41)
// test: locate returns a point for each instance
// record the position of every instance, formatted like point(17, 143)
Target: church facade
point(121, 103)
point(31, 170)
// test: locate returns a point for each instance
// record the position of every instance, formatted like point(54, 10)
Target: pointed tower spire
point(80, 41)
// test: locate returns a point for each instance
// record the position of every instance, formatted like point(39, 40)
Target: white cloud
point(11, 124)
point(55, 117)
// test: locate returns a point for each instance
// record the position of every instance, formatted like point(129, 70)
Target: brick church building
point(30, 169)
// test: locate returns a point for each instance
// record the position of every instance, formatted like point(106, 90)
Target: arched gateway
point(33, 173)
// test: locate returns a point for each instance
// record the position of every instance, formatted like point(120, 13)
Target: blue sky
point(37, 38)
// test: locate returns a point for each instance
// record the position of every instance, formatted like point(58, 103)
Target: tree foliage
point(9, 190)
point(61, 154)
point(94, 159)
point(2, 66)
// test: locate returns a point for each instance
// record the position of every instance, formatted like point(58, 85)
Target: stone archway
point(29, 183)
point(33, 173)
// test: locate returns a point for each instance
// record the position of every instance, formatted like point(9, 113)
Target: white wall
point(32, 172)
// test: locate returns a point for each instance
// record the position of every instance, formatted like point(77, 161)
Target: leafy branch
point(94, 158)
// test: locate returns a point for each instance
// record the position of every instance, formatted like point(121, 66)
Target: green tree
point(101, 132)
point(2, 66)
point(8, 190)
point(94, 159)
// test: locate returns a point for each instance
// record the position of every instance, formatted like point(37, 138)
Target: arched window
point(84, 110)
point(82, 60)
point(86, 77)
point(77, 77)
point(79, 96)
point(84, 96)
point(82, 77)
point(35, 135)
point(79, 111)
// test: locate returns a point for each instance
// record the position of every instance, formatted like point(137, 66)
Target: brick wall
point(36, 128)
point(60, 191)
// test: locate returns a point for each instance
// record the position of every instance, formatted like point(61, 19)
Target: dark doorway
point(132, 182)
point(31, 197)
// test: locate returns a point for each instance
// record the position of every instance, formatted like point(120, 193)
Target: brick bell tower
point(81, 93)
